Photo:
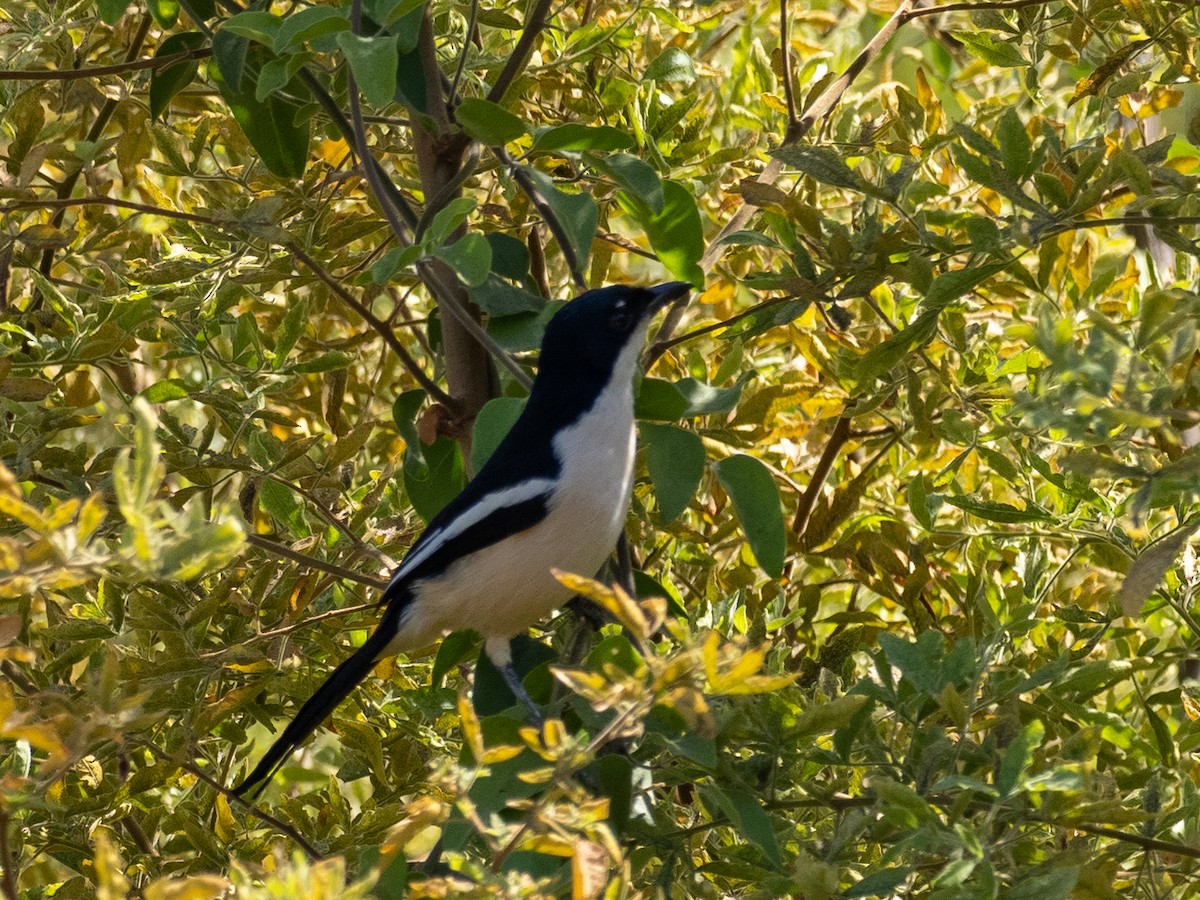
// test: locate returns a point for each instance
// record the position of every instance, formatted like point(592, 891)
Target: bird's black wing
point(492, 517)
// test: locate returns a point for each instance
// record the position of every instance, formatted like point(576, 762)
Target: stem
point(275, 547)
point(102, 71)
point(837, 440)
point(520, 55)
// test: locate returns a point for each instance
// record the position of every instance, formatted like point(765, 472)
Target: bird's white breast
point(504, 588)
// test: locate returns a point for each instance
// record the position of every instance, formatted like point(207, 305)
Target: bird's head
point(602, 330)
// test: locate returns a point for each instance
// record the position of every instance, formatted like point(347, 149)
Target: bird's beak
point(665, 294)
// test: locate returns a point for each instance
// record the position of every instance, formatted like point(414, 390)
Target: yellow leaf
point(472, 733)
point(553, 844)
point(195, 887)
point(91, 516)
point(13, 508)
point(226, 826)
point(623, 607)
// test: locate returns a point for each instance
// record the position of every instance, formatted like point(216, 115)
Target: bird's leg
point(499, 651)
point(513, 680)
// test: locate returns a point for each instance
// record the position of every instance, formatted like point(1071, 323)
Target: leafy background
point(917, 478)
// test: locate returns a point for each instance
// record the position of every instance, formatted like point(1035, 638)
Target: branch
point(785, 53)
point(984, 4)
point(837, 440)
point(521, 53)
point(521, 176)
point(820, 107)
point(275, 547)
point(287, 829)
point(452, 95)
point(379, 325)
point(101, 71)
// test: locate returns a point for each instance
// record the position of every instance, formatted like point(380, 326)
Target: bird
point(553, 495)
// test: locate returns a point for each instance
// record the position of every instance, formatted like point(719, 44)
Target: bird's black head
point(591, 331)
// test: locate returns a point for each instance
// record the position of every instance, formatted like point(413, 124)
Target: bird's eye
point(621, 319)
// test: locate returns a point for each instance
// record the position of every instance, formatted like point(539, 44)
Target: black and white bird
point(553, 495)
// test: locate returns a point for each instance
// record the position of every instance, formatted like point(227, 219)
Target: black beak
point(668, 293)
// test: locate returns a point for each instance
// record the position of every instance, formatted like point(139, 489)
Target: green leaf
point(577, 213)
point(821, 163)
point(279, 501)
point(289, 331)
point(470, 256)
point(880, 359)
point(675, 233)
point(488, 122)
point(167, 389)
point(755, 498)
point(990, 50)
point(374, 61)
point(447, 219)
point(455, 648)
point(254, 25)
point(1018, 755)
point(671, 66)
point(229, 56)
point(309, 24)
point(165, 12)
point(269, 125)
point(1057, 884)
point(438, 478)
point(111, 11)
point(492, 423)
point(510, 256)
point(949, 286)
point(704, 399)
point(879, 883)
point(576, 138)
point(675, 459)
point(1014, 143)
point(998, 512)
point(497, 297)
point(747, 816)
point(167, 82)
point(635, 177)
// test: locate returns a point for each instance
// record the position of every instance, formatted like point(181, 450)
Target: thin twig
point(102, 71)
point(833, 446)
point(382, 328)
point(309, 849)
point(967, 6)
point(820, 106)
point(379, 325)
point(785, 53)
point(452, 95)
point(522, 177)
point(279, 549)
point(94, 134)
point(521, 53)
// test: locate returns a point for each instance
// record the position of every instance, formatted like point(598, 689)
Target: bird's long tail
point(340, 683)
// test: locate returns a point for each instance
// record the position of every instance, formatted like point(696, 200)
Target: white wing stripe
point(488, 504)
